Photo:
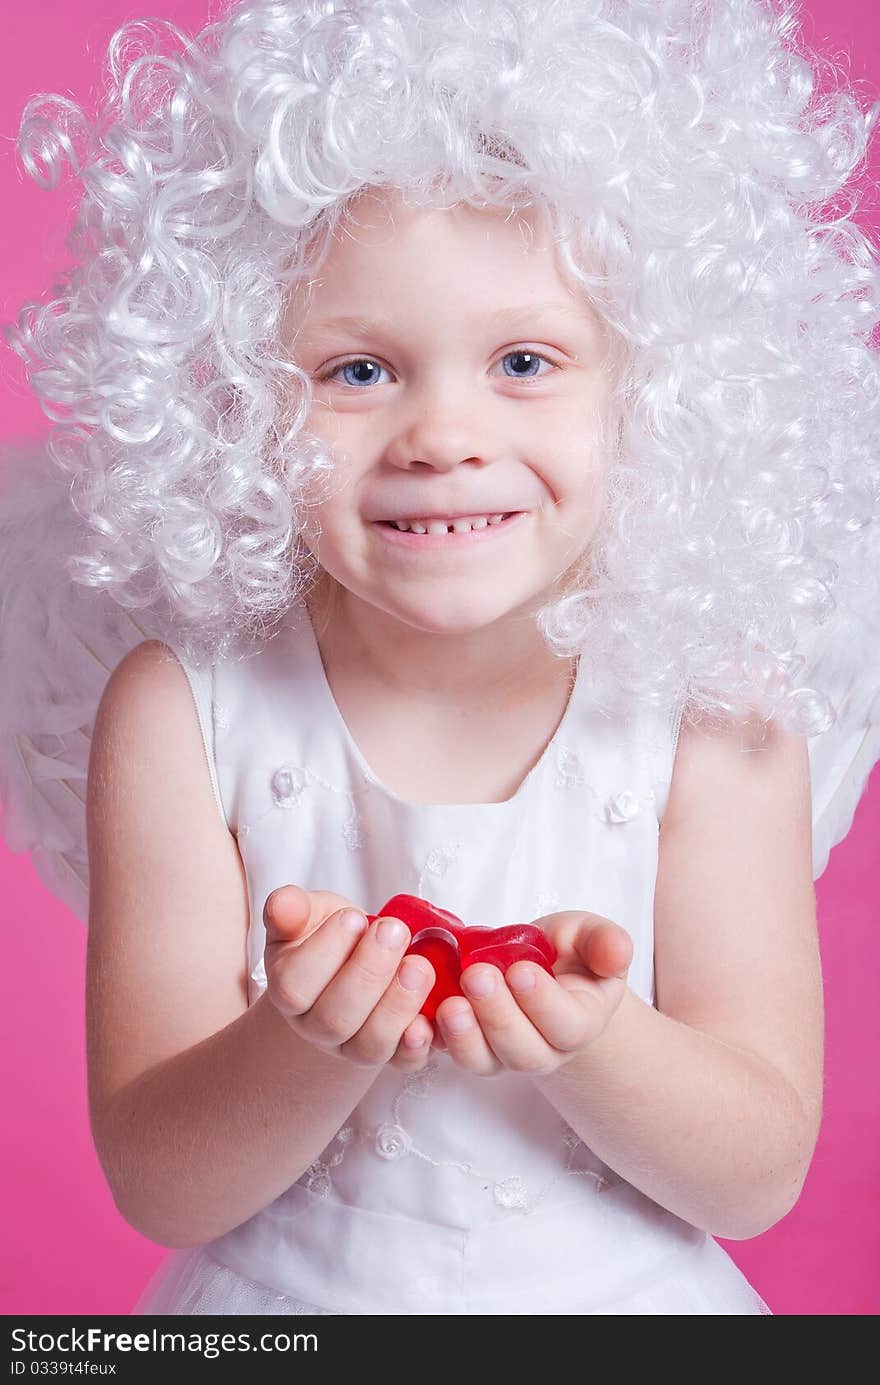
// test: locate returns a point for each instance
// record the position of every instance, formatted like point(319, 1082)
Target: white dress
point(444, 1192)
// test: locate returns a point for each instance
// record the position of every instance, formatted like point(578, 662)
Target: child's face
point(435, 403)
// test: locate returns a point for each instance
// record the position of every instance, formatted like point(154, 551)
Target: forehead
point(376, 216)
point(384, 247)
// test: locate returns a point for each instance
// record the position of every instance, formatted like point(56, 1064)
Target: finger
point(568, 1011)
point(292, 913)
point(591, 940)
point(508, 1030)
point(352, 993)
point(299, 972)
point(396, 1014)
point(463, 1039)
point(414, 1048)
point(606, 948)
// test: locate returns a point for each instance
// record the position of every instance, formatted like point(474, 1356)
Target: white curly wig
point(682, 150)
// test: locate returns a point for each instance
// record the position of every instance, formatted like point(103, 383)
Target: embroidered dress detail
point(392, 1142)
point(622, 807)
point(442, 857)
point(511, 1192)
point(288, 785)
point(353, 834)
point(570, 771)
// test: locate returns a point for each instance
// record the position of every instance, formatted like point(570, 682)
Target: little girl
point(464, 459)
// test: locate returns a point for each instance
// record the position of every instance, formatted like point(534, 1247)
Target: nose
point(441, 425)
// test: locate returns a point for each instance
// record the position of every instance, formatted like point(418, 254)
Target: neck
point(502, 663)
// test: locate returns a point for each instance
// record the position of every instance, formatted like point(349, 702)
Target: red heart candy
point(418, 913)
point(511, 935)
point(450, 947)
point(505, 955)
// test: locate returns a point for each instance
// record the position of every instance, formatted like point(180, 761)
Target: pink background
point(68, 1249)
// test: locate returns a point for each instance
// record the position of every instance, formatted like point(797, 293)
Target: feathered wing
point(840, 766)
point(841, 759)
point(59, 643)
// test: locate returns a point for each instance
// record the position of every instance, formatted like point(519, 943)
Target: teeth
point(438, 526)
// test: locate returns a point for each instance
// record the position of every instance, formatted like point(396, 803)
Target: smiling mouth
point(465, 524)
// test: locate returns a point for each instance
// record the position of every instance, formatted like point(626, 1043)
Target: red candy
point(450, 947)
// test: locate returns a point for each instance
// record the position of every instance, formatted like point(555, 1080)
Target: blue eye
point(359, 367)
point(362, 371)
point(530, 360)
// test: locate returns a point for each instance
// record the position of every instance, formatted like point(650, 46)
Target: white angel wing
point(59, 643)
point(841, 759)
point(840, 766)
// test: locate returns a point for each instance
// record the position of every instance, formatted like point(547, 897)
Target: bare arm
point(202, 1110)
point(711, 1104)
point(206, 1138)
point(707, 1130)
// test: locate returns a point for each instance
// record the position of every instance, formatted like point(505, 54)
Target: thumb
point(605, 947)
point(291, 913)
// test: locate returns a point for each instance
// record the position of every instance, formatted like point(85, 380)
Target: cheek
point(350, 441)
point(591, 498)
point(324, 423)
point(331, 521)
point(576, 477)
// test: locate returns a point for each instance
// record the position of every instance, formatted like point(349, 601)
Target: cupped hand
point(343, 985)
point(529, 1021)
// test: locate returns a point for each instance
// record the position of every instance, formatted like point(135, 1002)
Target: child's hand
point(536, 1031)
point(341, 990)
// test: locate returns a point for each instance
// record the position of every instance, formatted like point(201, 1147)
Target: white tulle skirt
point(704, 1281)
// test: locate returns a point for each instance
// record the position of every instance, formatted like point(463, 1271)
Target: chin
point(453, 619)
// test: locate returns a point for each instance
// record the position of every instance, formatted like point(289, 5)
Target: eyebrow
point(500, 318)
